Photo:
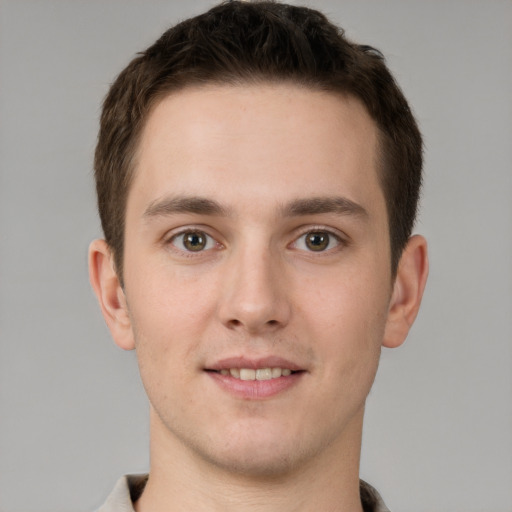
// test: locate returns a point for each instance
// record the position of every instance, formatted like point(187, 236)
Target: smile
point(256, 374)
point(255, 378)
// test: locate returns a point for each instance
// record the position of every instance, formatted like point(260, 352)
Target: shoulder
point(371, 499)
point(126, 491)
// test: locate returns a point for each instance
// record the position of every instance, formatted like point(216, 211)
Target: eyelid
point(171, 236)
point(340, 237)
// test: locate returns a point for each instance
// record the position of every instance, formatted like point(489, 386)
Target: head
point(257, 178)
point(251, 43)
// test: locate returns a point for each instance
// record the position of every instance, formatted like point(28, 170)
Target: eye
point(317, 241)
point(193, 241)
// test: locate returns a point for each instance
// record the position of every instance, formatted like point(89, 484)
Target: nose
point(254, 295)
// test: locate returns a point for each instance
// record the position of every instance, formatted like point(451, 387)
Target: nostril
point(234, 323)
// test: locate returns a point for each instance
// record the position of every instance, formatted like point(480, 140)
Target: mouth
point(256, 374)
point(256, 378)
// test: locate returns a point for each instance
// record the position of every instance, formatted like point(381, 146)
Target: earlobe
point(407, 291)
point(110, 295)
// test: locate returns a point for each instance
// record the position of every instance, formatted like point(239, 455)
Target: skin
point(257, 289)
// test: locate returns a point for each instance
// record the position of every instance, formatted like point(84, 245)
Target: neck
point(178, 476)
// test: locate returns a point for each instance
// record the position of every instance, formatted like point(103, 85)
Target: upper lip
point(254, 363)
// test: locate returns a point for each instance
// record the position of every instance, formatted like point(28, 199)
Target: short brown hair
point(252, 42)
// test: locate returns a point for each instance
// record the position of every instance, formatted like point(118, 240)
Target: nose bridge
point(254, 297)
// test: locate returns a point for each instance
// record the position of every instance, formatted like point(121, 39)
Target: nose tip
point(255, 298)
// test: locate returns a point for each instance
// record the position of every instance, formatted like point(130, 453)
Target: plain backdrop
point(73, 414)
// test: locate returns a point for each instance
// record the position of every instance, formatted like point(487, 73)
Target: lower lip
point(256, 389)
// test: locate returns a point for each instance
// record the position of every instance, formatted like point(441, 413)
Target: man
point(257, 179)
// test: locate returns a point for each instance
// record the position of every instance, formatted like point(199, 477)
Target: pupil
point(317, 241)
point(194, 241)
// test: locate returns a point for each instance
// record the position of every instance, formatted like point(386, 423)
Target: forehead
point(267, 140)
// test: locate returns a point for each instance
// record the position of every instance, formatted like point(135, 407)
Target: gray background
point(73, 415)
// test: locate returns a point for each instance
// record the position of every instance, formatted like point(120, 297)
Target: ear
point(407, 291)
point(110, 294)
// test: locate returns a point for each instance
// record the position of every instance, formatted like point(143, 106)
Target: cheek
point(169, 297)
point(168, 313)
point(348, 316)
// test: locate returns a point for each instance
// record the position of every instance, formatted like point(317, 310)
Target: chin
point(263, 453)
point(256, 463)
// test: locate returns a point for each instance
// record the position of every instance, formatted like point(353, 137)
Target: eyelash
point(211, 243)
point(333, 237)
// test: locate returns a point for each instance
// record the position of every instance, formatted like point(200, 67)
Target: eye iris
point(317, 241)
point(195, 241)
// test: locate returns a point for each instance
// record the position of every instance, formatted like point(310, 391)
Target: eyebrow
point(296, 208)
point(184, 204)
point(319, 205)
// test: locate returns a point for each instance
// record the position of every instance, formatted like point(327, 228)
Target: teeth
point(276, 372)
point(264, 374)
point(247, 374)
point(259, 374)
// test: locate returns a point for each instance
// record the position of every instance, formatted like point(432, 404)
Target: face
point(257, 273)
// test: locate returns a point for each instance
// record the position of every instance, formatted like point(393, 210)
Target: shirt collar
point(129, 488)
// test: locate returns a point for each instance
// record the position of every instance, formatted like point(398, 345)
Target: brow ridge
point(319, 205)
point(184, 204)
point(295, 208)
